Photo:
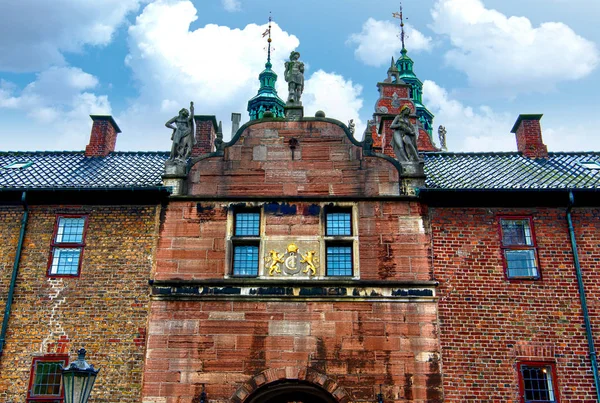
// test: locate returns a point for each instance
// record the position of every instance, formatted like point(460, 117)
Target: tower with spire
point(266, 99)
point(404, 65)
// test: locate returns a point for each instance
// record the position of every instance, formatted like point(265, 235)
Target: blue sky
point(482, 62)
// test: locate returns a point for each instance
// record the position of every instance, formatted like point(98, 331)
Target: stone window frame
point(511, 247)
point(54, 244)
point(50, 358)
point(236, 240)
point(552, 386)
point(346, 240)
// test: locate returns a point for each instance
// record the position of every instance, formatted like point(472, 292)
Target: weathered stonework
point(104, 309)
point(346, 335)
point(489, 323)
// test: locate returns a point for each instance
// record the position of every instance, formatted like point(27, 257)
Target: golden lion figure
point(275, 259)
point(310, 261)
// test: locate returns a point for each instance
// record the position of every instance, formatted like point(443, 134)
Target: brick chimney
point(206, 131)
point(103, 137)
point(529, 136)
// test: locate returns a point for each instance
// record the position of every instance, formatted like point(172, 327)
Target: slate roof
point(444, 170)
point(64, 169)
point(510, 171)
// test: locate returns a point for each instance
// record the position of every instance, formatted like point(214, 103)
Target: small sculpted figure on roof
point(183, 134)
point(404, 140)
point(294, 75)
point(442, 135)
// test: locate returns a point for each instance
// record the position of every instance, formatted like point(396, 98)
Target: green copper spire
point(266, 99)
point(405, 64)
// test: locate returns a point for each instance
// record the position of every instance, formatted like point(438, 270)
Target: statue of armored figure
point(404, 140)
point(294, 76)
point(183, 134)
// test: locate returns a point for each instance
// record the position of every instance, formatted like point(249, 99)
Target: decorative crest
point(401, 18)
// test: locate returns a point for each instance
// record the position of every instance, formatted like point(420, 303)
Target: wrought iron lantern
point(78, 379)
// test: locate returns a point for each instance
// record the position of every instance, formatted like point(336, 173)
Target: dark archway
point(291, 391)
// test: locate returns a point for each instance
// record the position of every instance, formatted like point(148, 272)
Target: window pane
point(339, 260)
point(245, 260)
point(47, 379)
point(247, 224)
point(521, 262)
point(65, 261)
point(70, 230)
point(338, 224)
point(516, 232)
point(538, 384)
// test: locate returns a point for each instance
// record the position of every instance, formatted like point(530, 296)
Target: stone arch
point(303, 375)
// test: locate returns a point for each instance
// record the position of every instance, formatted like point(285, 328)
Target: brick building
point(295, 263)
point(510, 239)
point(78, 233)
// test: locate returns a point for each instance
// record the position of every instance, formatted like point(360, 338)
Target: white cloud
point(508, 53)
point(232, 5)
point(216, 67)
point(469, 129)
point(337, 97)
point(59, 101)
point(378, 42)
point(482, 129)
point(37, 33)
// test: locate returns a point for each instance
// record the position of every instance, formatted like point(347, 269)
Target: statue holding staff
point(183, 134)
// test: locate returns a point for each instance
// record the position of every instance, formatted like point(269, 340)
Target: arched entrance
point(291, 391)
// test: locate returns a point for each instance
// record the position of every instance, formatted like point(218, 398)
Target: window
point(67, 246)
point(246, 242)
point(339, 241)
point(537, 382)
point(45, 385)
point(518, 248)
point(18, 165)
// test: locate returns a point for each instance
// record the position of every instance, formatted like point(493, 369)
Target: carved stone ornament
point(395, 100)
point(294, 76)
point(442, 137)
point(404, 140)
point(183, 134)
point(292, 262)
point(382, 109)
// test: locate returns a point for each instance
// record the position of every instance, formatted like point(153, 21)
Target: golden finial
point(269, 40)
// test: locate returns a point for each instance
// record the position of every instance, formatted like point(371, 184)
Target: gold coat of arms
point(291, 262)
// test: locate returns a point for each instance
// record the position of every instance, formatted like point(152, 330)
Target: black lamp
point(78, 379)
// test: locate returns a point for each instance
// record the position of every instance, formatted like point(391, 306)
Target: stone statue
point(442, 137)
point(404, 140)
point(183, 134)
point(294, 75)
point(351, 127)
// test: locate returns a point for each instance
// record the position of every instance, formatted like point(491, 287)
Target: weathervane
point(401, 18)
point(268, 33)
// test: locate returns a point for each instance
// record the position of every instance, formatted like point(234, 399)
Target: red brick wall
point(393, 241)
point(488, 323)
point(529, 139)
point(325, 163)
point(223, 344)
point(103, 139)
point(205, 137)
point(104, 310)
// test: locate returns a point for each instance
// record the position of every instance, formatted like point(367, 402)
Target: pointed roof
point(267, 98)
